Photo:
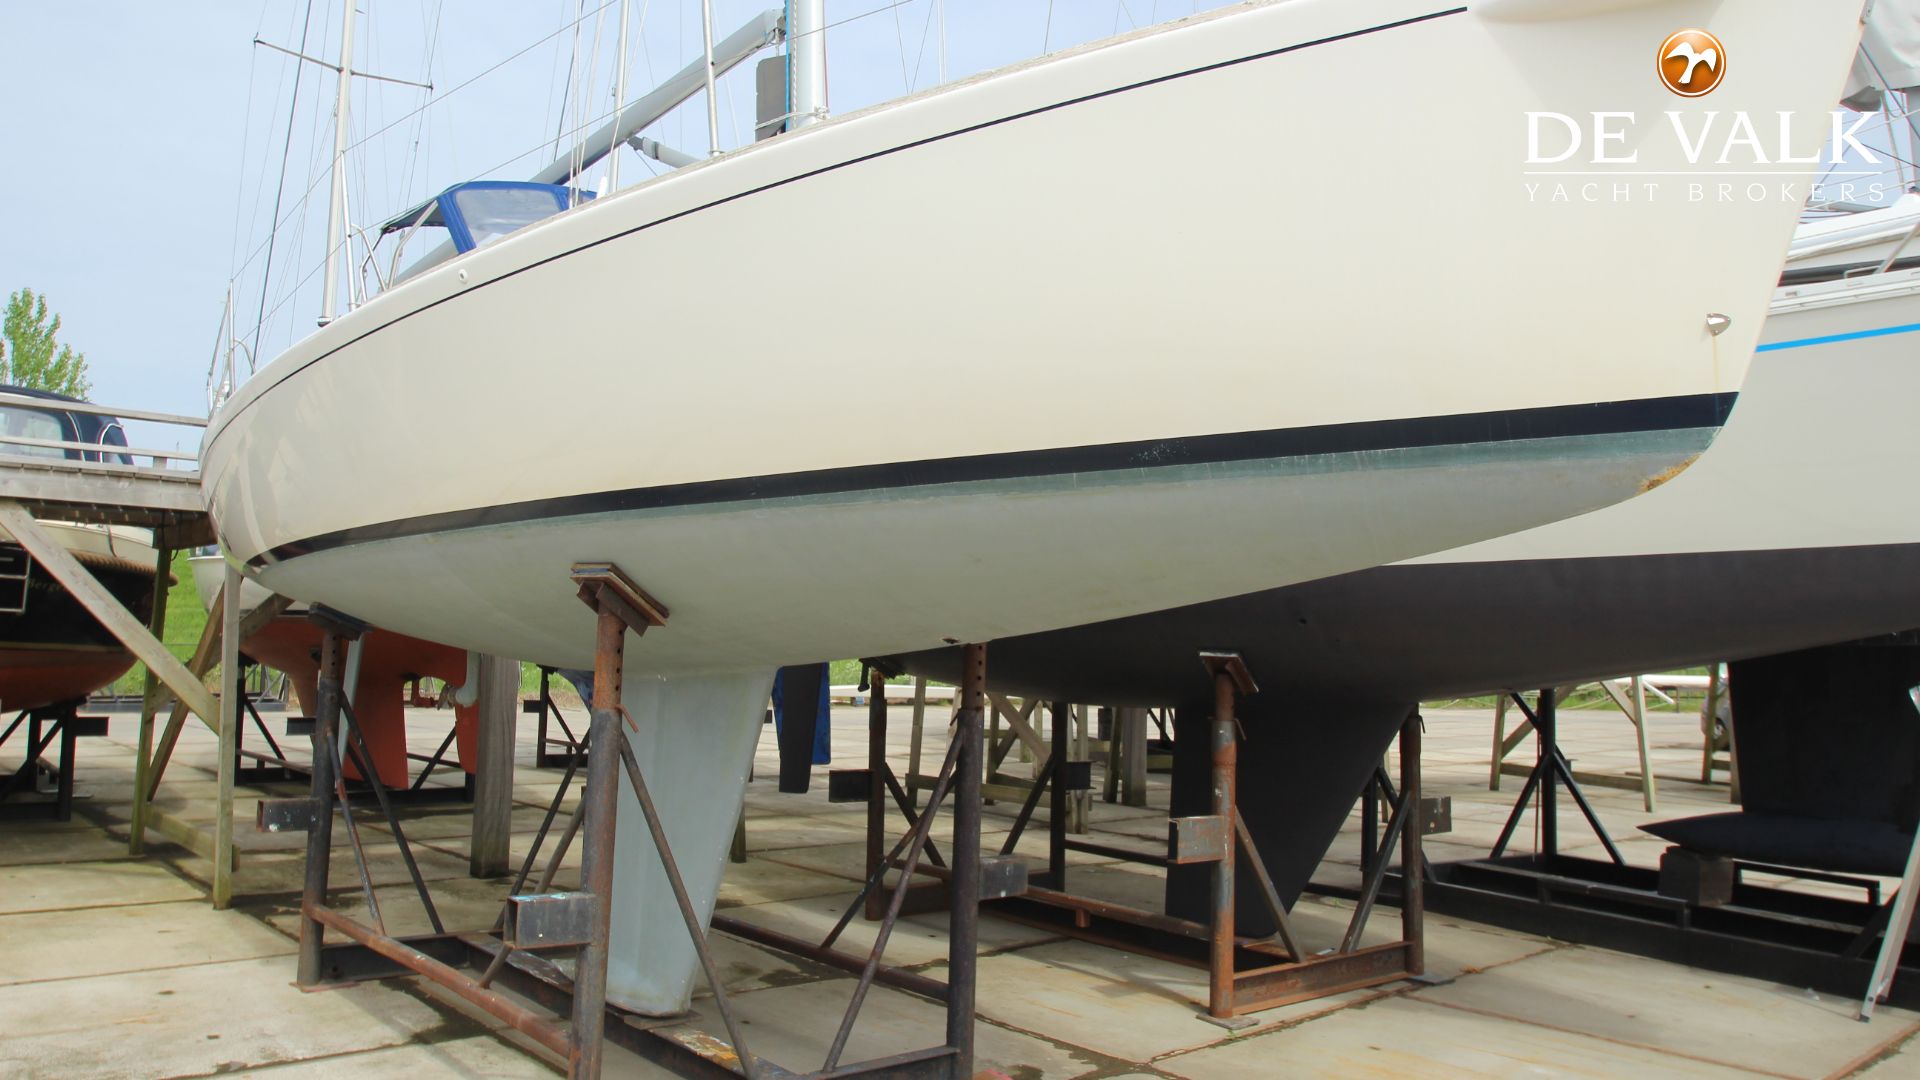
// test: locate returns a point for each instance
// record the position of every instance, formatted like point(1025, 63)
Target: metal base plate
point(1792, 938)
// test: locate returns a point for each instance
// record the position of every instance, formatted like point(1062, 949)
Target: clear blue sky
point(144, 140)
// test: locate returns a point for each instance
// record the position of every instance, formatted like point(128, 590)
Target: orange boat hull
point(31, 678)
point(388, 662)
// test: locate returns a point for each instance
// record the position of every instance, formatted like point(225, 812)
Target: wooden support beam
point(149, 703)
point(1133, 755)
point(231, 712)
point(1110, 748)
point(204, 654)
point(1519, 734)
point(190, 835)
point(1079, 803)
point(919, 731)
point(1500, 745)
point(207, 650)
point(1000, 788)
point(1619, 781)
point(100, 603)
point(1019, 732)
point(1635, 708)
point(1505, 743)
point(489, 853)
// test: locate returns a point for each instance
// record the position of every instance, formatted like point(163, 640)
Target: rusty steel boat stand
point(544, 708)
point(36, 777)
point(531, 988)
point(271, 765)
point(1246, 974)
point(970, 878)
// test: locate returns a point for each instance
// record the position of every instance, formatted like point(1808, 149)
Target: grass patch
point(185, 621)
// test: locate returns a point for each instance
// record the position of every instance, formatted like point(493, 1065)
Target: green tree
point(31, 355)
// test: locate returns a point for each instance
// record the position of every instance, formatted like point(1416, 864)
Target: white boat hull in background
point(120, 543)
point(1796, 530)
point(210, 572)
point(1820, 452)
point(1862, 240)
point(1144, 379)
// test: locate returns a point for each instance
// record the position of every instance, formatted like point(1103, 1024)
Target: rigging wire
point(920, 55)
point(624, 59)
point(396, 122)
point(869, 13)
point(568, 96)
point(319, 152)
point(260, 181)
point(410, 174)
point(646, 53)
point(1892, 151)
point(376, 133)
point(585, 95)
point(285, 74)
point(551, 73)
point(292, 289)
point(373, 94)
point(246, 138)
point(899, 36)
point(293, 106)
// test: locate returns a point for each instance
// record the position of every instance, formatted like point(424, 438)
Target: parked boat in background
point(1796, 530)
point(1856, 243)
point(51, 649)
point(383, 678)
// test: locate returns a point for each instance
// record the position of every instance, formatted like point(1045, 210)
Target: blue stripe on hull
point(1830, 339)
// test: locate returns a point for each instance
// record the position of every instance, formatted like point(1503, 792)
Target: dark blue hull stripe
point(1699, 411)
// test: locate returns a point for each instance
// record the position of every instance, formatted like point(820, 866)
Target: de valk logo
point(1691, 62)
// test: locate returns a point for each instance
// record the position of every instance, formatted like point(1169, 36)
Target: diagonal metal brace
point(688, 914)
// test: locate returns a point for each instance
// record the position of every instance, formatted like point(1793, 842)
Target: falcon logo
point(1691, 63)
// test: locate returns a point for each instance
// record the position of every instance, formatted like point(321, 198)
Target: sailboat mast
point(619, 97)
point(336, 202)
point(713, 104)
point(806, 62)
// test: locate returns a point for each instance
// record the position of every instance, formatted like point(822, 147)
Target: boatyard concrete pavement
point(113, 966)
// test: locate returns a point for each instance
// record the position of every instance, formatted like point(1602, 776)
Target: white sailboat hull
point(1142, 382)
point(1140, 379)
